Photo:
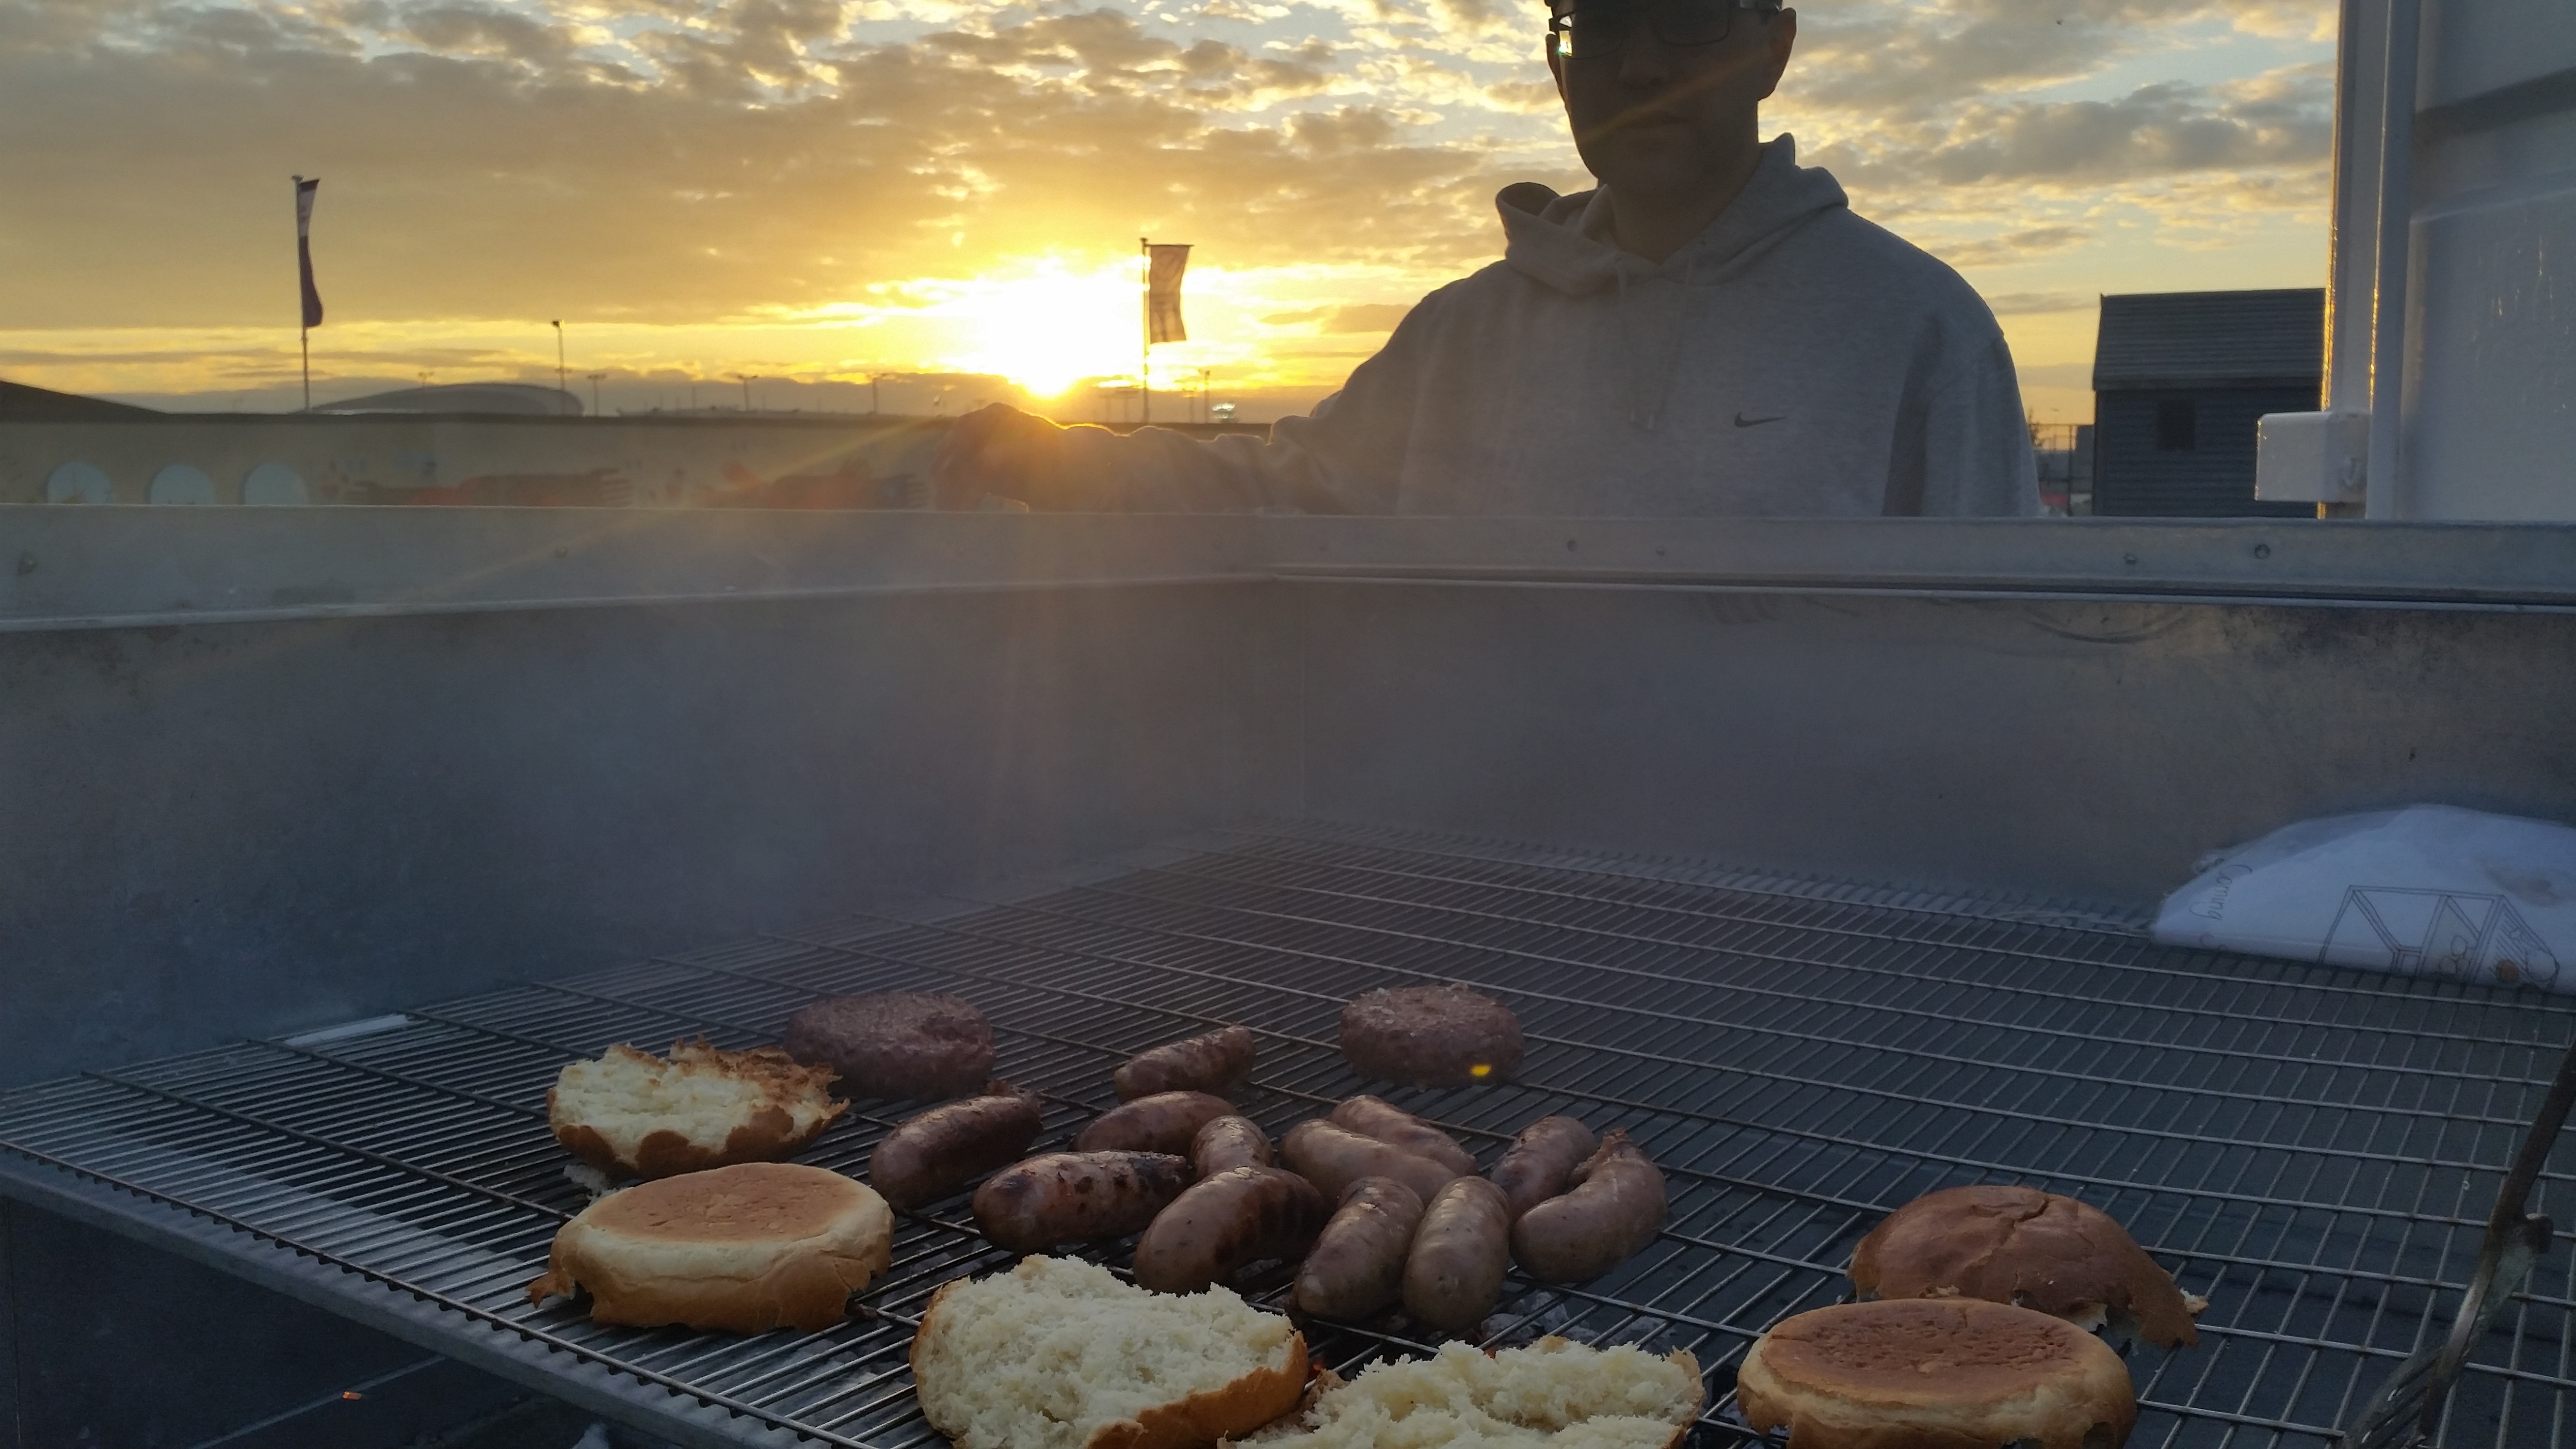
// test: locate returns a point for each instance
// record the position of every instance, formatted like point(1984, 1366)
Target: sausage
point(943, 1149)
point(1615, 1209)
point(1374, 1117)
point(1164, 1122)
point(1332, 1158)
point(1065, 1197)
point(1453, 1273)
point(1541, 1160)
point(1241, 1215)
point(1209, 1063)
point(1356, 1268)
point(1229, 1142)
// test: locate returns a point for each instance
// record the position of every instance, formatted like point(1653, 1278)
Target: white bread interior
point(1059, 1354)
point(633, 1114)
point(1554, 1393)
point(746, 1248)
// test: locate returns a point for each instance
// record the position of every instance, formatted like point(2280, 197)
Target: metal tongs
point(2408, 1408)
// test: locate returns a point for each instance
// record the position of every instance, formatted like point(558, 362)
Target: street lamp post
point(557, 324)
point(594, 392)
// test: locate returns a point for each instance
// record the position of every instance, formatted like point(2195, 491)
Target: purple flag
point(304, 247)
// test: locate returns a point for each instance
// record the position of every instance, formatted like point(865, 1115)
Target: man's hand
point(1002, 452)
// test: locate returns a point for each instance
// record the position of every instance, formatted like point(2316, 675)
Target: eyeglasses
point(1589, 29)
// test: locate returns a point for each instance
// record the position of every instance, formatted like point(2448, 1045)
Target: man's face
point(1652, 118)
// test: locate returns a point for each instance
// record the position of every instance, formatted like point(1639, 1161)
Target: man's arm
point(1345, 457)
point(1976, 456)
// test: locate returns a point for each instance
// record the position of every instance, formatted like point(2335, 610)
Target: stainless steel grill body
point(2313, 1149)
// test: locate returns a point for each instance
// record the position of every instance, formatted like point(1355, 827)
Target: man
point(1710, 331)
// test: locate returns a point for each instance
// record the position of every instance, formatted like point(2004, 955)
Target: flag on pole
point(304, 247)
point(1165, 263)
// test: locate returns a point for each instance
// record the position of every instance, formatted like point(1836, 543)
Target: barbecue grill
point(1119, 780)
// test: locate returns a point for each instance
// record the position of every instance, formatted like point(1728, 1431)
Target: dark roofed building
point(2179, 379)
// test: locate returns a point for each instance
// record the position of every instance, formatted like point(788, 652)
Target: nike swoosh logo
point(1742, 421)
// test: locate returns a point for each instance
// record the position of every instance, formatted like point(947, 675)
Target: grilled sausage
point(1065, 1197)
point(1241, 1215)
point(1356, 1267)
point(1453, 1274)
point(1614, 1210)
point(1332, 1158)
point(1210, 1063)
point(1374, 1117)
point(1164, 1122)
point(943, 1149)
point(1227, 1142)
point(1541, 1160)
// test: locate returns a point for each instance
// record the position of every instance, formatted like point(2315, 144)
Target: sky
point(946, 195)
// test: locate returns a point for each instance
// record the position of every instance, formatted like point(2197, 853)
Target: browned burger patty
point(896, 1044)
point(1431, 1036)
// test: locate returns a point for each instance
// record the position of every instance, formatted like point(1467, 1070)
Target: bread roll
point(747, 1248)
point(1059, 1354)
point(1935, 1373)
point(632, 1114)
point(2018, 1245)
point(1552, 1392)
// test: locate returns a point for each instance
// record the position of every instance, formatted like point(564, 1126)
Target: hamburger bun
point(1553, 1392)
point(632, 1114)
point(1935, 1373)
point(2018, 1245)
point(747, 1248)
point(1059, 1354)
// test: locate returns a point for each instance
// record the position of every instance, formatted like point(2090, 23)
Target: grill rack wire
point(2313, 1149)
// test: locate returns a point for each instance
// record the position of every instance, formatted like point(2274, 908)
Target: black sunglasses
point(1588, 29)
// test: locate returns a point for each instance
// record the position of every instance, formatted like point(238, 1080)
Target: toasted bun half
point(1059, 1354)
point(2019, 1245)
point(632, 1114)
point(1942, 1373)
point(1553, 1392)
point(747, 1248)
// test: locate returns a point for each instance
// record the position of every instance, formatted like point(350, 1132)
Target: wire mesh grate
point(2314, 1150)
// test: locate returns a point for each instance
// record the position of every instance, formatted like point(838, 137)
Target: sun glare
point(1051, 328)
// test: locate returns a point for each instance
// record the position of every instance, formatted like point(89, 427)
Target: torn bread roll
point(2018, 1245)
point(1948, 1373)
point(632, 1114)
point(1553, 1392)
point(746, 1249)
point(1058, 1354)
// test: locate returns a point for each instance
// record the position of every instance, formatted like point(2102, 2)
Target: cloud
point(2011, 246)
point(2025, 304)
point(1364, 317)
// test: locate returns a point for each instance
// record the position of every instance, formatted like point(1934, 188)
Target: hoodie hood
point(1564, 242)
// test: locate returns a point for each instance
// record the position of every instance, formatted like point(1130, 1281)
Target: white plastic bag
point(2429, 890)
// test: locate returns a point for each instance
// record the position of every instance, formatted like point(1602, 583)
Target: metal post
point(304, 343)
point(594, 392)
point(559, 357)
point(2396, 215)
point(1145, 353)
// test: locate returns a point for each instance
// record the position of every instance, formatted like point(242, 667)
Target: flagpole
point(304, 342)
point(1145, 359)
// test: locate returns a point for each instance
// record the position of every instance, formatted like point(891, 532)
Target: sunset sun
point(1052, 327)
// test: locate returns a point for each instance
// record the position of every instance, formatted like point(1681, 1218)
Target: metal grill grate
point(2314, 1150)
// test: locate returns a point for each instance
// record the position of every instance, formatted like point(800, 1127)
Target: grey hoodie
point(1792, 361)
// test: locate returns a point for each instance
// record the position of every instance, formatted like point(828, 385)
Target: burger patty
point(1431, 1036)
point(896, 1044)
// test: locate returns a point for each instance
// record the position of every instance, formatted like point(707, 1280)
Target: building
point(2179, 379)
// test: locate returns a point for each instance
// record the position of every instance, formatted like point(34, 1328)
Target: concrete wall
point(651, 460)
